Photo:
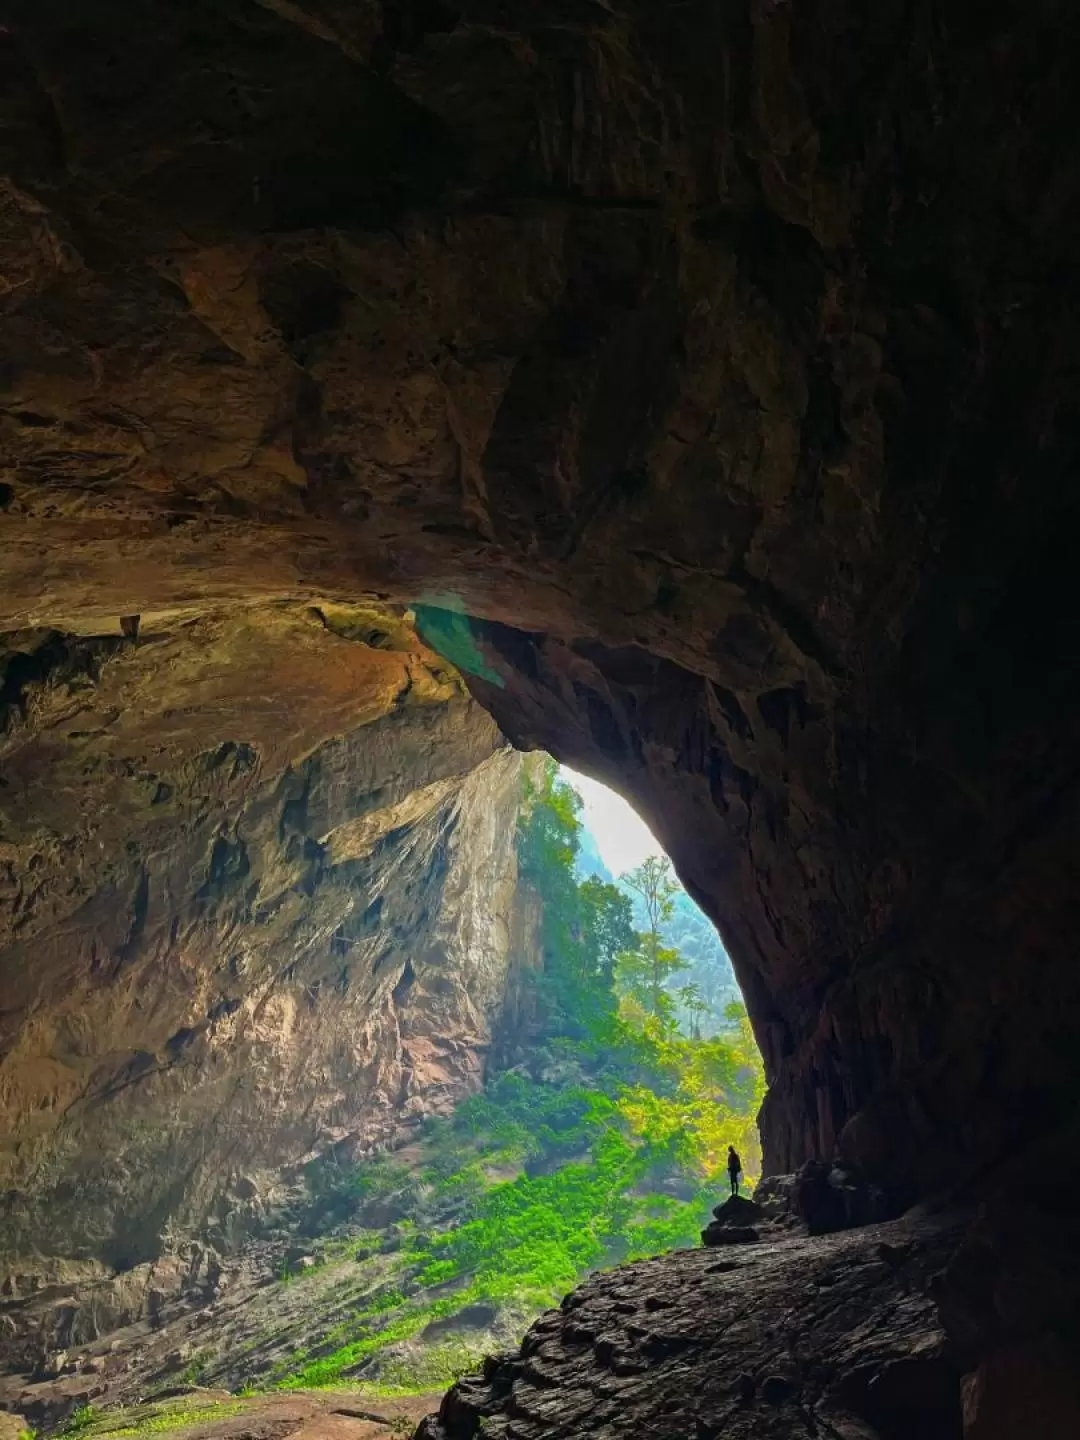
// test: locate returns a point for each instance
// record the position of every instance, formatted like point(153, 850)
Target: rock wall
point(721, 357)
point(258, 877)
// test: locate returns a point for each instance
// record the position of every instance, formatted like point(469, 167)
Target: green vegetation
point(645, 968)
point(706, 963)
point(80, 1419)
point(155, 1419)
point(607, 1144)
point(193, 1373)
point(705, 968)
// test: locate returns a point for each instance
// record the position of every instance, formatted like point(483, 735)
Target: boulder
point(733, 1223)
point(829, 1196)
point(1031, 1388)
point(737, 1210)
point(718, 1234)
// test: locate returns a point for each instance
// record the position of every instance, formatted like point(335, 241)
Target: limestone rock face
point(720, 358)
point(257, 895)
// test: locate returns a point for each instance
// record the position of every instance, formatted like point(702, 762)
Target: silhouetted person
point(734, 1168)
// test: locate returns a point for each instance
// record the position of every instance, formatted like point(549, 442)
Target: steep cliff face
point(258, 880)
point(722, 357)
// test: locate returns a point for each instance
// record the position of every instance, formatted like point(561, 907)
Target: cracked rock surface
point(795, 1336)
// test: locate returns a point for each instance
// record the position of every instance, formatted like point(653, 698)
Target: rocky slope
point(916, 1327)
point(258, 893)
point(921, 1327)
point(696, 1343)
point(719, 1345)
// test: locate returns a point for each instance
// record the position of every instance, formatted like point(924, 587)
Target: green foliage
point(690, 998)
point(192, 1374)
point(706, 960)
point(644, 970)
point(160, 1419)
point(534, 1236)
point(609, 1147)
point(81, 1418)
point(655, 882)
point(586, 925)
point(381, 1178)
point(687, 931)
point(437, 1367)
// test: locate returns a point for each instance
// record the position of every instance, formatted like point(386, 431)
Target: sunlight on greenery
point(150, 1419)
point(606, 1144)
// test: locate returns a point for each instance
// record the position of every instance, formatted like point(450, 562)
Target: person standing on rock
point(734, 1168)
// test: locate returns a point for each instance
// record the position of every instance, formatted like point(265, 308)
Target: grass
point(161, 1420)
point(436, 1368)
point(327, 1369)
point(193, 1373)
point(80, 1419)
point(519, 1243)
point(516, 1244)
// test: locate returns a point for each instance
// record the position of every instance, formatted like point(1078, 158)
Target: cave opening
point(615, 846)
point(512, 1050)
point(621, 1068)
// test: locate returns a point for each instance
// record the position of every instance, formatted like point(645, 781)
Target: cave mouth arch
point(840, 836)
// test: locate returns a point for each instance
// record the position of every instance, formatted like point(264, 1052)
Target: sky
point(622, 837)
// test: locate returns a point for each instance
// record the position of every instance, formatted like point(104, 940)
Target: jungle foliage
point(605, 1144)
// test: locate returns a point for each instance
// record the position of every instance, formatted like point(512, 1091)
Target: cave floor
point(836, 1336)
point(206, 1414)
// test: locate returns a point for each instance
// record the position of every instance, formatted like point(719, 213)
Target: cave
point(687, 391)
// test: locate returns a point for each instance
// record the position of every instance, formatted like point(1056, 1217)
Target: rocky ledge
point(949, 1321)
point(836, 1336)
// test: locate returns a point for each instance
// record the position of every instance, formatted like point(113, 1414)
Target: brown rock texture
point(720, 359)
point(790, 1337)
point(938, 1325)
point(258, 882)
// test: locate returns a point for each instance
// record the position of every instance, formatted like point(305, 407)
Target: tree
point(654, 882)
point(586, 924)
point(607, 928)
point(695, 1005)
point(549, 828)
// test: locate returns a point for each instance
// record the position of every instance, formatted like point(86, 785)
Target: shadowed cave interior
point(391, 391)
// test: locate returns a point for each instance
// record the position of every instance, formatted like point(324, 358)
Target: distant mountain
point(694, 936)
point(588, 858)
